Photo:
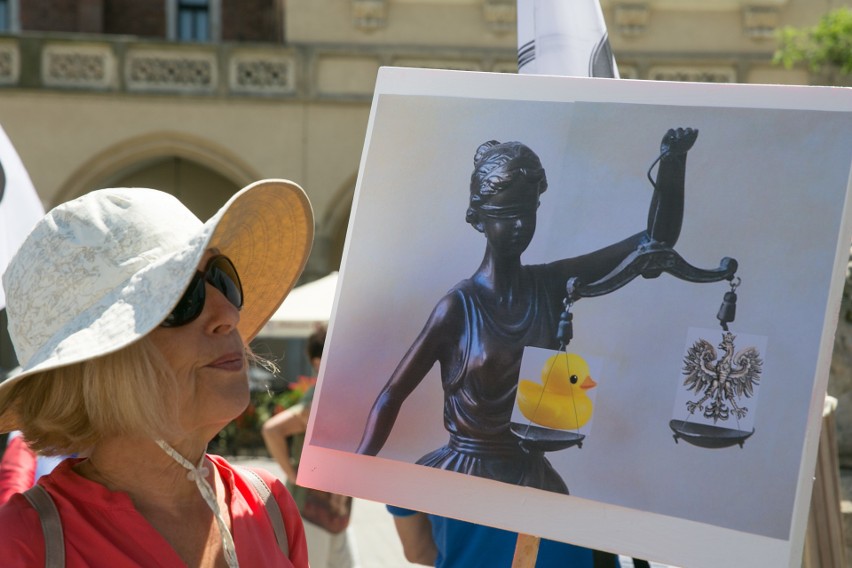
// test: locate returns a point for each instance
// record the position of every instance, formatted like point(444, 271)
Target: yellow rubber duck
point(562, 403)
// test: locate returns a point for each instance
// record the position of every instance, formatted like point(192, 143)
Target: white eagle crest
point(722, 382)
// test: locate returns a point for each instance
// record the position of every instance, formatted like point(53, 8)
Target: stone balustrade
point(121, 64)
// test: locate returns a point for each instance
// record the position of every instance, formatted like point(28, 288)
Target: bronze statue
point(477, 332)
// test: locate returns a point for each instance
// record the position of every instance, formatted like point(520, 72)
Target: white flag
point(20, 206)
point(564, 37)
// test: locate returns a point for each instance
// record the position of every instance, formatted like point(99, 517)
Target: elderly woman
point(131, 321)
point(478, 330)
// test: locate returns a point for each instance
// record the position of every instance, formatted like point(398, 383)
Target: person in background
point(131, 320)
point(21, 468)
point(442, 542)
point(330, 544)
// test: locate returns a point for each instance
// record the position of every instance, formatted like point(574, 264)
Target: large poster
point(595, 311)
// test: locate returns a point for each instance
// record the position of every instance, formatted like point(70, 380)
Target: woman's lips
point(229, 362)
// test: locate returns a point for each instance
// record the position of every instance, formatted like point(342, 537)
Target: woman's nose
point(223, 316)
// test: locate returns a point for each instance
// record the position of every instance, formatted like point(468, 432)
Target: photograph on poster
point(556, 392)
point(589, 299)
point(720, 387)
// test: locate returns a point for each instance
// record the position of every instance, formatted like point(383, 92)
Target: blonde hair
point(70, 409)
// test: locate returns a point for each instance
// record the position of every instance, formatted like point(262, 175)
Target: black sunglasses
point(222, 275)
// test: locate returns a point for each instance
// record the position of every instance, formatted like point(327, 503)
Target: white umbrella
point(303, 310)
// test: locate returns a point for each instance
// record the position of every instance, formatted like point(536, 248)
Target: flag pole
point(526, 551)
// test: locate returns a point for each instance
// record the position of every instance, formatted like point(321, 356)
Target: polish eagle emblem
point(722, 381)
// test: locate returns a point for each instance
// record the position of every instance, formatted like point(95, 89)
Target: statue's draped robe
point(481, 380)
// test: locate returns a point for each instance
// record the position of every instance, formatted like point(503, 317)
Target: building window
point(9, 17)
point(193, 20)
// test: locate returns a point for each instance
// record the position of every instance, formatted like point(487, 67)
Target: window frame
point(13, 17)
point(214, 17)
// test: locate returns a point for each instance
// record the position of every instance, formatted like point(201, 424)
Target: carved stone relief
point(693, 74)
point(261, 74)
point(632, 19)
point(501, 16)
point(163, 71)
point(369, 15)
point(10, 66)
point(760, 22)
point(429, 63)
point(78, 66)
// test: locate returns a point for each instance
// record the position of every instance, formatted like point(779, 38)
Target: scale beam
point(649, 261)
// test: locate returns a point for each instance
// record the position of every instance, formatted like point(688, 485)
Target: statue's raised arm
point(665, 216)
point(651, 252)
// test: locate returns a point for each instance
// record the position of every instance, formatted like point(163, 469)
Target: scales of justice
point(719, 382)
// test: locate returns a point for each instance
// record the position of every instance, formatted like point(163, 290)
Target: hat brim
point(266, 229)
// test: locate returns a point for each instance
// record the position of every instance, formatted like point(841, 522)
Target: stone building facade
point(201, 97)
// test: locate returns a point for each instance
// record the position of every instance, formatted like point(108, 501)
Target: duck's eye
point(574, 379)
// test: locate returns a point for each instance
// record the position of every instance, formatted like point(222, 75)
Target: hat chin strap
point(198, 474)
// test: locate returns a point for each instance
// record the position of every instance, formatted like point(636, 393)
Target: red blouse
point(102, 527)
point(17, 468)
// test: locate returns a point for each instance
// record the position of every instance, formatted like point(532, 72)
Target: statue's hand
point(678, 141)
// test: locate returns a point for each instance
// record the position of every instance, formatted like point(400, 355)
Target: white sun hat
point(101, 271)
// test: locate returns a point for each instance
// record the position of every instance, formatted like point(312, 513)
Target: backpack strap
point(51, 525)
point(273, 511)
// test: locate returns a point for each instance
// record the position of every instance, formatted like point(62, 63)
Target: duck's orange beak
point(588, 383)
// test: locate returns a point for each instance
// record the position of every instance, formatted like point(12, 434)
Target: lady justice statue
point(477, 332)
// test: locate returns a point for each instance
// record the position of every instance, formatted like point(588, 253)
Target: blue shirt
point(461, 544)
